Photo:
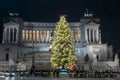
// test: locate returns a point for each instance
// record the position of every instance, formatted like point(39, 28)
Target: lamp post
point(33, 59)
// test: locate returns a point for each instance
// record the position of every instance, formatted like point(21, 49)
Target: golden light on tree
point(63, 50)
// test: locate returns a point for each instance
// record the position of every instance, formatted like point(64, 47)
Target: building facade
point(34, 39)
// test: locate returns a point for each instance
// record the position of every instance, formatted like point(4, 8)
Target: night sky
point(49, 10)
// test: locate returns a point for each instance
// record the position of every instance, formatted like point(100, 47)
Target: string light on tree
point(63, 50)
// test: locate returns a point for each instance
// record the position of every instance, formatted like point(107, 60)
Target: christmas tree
point(63, 50)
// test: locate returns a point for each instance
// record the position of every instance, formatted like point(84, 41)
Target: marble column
point(3, 38)
point(42, 36)
point(25, 36)
point(9, 35)
point(13, 35)
point(47, 36)
point(100, 37)
point(97, 35)
point(16, 36)
point(5, 34)
point(45, 33)
point(40, 32)
point(37, 36)
point(93, 35)
point(80, 37)
point(86, 35)
point(27, 33)
point(50, 36)
point(36, 40)
point(32, 38)
point(28, 36)
point(77, 37)
point(89, 35)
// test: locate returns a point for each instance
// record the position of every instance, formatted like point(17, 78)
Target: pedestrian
point(57, 73)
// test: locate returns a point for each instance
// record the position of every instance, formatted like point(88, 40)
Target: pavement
point(60, 78)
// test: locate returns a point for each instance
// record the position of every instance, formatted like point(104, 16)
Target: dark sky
point(49, 10)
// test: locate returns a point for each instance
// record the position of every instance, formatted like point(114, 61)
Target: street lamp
point(33, 59)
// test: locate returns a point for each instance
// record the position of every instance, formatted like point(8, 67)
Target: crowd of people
point(69, 73)
point(76, 74)
point(97, 74)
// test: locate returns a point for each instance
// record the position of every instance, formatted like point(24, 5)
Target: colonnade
point(92, 35)
point(10, 35)
point(36, 36)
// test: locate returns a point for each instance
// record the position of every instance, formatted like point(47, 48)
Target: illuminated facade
point(34, 38)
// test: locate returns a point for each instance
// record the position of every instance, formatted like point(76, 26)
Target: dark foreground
point(51, 78)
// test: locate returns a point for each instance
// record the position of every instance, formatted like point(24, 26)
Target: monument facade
point(33, 39)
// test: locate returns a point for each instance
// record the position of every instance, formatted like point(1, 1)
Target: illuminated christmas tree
point(63, 50)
